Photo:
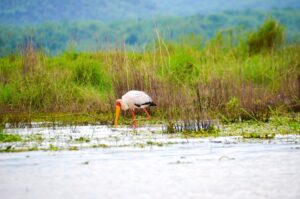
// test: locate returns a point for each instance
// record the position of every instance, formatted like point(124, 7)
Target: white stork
point(133, 100)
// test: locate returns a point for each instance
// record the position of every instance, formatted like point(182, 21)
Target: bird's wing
point(137, 97)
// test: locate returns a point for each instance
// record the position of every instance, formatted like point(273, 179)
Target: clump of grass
point(139, 145)
point(92, 74)
point(169, 128)
point(82, 139)
point(10, 149)
point(178, 127)
point(73, 148)
point(152, 143)
point(201, 133)
point(100, 146)
point(269, 36)
point(192, 129)
point(34, 148)
point(103, 145)
point(6, 137)
point(53, 147)
point(34, 138)
point(258, 135)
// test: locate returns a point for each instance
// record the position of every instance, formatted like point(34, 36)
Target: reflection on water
point(135, 166)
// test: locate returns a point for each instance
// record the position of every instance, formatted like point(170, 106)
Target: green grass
point(152, 143)
point(82, 139)
point(215, 80)
point(5, 137)
point(278, 125)
point(53, 147)
point(73, 148)
point(258, 135)
point(33, 138)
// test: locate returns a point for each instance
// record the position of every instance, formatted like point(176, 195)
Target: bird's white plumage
point(131, 100)
point(133, 97)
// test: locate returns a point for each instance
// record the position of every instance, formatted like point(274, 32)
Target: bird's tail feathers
point(152, 104)
point(147, 103)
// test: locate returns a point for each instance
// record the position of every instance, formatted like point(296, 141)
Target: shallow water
point(224, 167)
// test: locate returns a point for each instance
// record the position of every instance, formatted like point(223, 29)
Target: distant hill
point(56, 37)
point(86, 25)
point(24, 12)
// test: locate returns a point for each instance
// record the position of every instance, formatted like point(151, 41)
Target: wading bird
point(133, 100)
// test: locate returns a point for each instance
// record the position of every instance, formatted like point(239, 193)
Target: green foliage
point(38, 83)
point(56, 37)
point(87, 75)
point(6, 137)
point(34, 11)
point(233, 104)
point(232, 109)
point(91, 74)
point(6, 93)
point(268, 36)
point(53, 148)
point(34, 138)
point(211, 132)
point(170, 128)
point(216, 78)
point(152, 143)
point(182, 65)
point(82, 139)
point(73, 148)
point(258, 135)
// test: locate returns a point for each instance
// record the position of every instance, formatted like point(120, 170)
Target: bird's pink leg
point(133, 118)
point(148, 115)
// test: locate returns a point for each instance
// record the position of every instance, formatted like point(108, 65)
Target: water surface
point(224, 167)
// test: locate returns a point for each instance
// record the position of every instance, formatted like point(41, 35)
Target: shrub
point(268, 36)
point(4, 137)
point(91, 74)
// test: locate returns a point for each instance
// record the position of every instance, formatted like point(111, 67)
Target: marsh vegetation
point(82, 137)
point(229, 78)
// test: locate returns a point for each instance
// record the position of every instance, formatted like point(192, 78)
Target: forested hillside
point(56, 37)
point(89, 25)
point(24, 12)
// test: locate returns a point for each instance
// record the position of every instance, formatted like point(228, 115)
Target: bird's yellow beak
point(118, 108)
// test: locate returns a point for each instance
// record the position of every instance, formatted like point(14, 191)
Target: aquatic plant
point(257, 135)
point(6, 137)
point(82, 139)
point(33, 138)
point(152, 143)
point(53, 147)
point(204, 128)
point(73, 148)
